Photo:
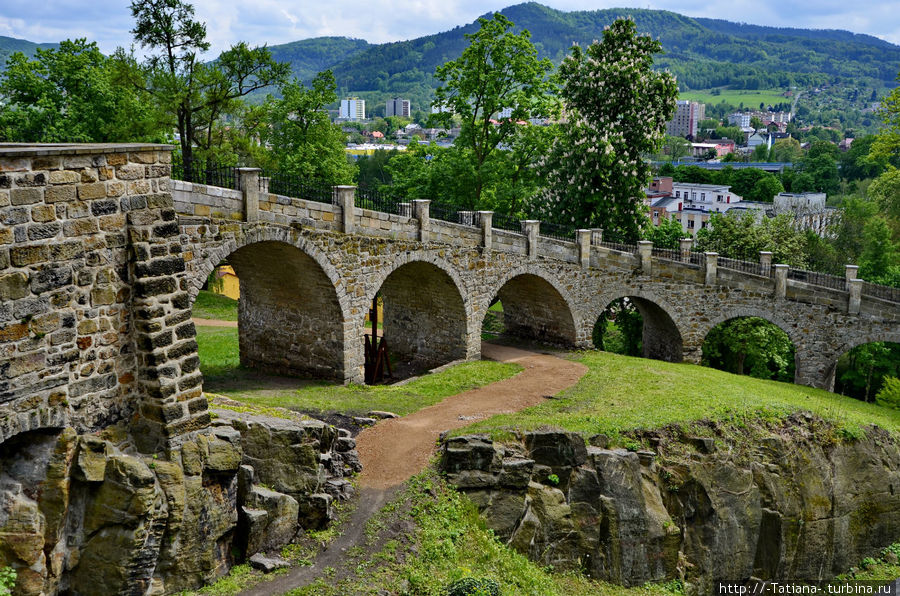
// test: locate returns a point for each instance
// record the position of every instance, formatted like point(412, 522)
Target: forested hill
point(10, 45)
point(703, 53)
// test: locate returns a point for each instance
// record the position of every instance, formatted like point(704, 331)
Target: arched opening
point(864, 371)
point(289, 320)
point(636, 326)
point(423, 320)
point(529, 307)
point(750, 346)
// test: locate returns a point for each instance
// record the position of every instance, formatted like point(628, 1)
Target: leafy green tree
point(886, 191)
point(69, 95)
point(617, 109)
point(752, 346)
point(499, 70)
point(787, 150)
point(677, 147)
point(879, 261)
point(372, 169)
point(302, 138)
point(820, 166)
point(860, 372)
point(740, 236)
point(889, 394)
point(765, 189)
point(191, 96)
point(666, 235)
point(619, 329)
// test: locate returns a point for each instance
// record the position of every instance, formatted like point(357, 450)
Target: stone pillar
point(645, 250)
point(855, 288)
point(406, 209)
point(596, 236)
point(346, 198)
point(781, 272)
point(249, 183)
point(583, 241)
point(851, 272)
point(712, 261)
point(421, 211)
point(765, 262)
point(531, 228)
point(486, 219)
point(685, 244)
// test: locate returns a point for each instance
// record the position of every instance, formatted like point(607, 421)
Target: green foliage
point(617, 112)
point(861, 371)
point(191, 96)
point(619, 329)
point(210, 305)
point(740, 236)
point(69, 94)
point(498, 70)
point(7, 580)
point(889, 394)
point(302, 138)
point(553, 479)
point(752, 346)
point(667, 234)
point(880, 260)
point(473, 586)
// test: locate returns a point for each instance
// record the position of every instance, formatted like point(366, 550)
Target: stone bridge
point(101, 256)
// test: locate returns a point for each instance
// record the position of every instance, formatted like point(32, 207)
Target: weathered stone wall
point(768, 501)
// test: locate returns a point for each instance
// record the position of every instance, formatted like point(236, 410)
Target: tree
point(191, 96)
point(617, 109)
point(787, 150)
point(755, 123)
point(667, 234)
point(69, 95)
point(302, 138)
point(750, 345)
point(878, 262)
point(619, 329)
point(677, 147)
point(499, 70)
point(740, 236)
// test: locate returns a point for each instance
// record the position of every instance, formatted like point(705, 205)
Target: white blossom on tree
point(616, 109)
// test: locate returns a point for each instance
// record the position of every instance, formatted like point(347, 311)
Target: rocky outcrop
point(772, 500)
point(89, 515)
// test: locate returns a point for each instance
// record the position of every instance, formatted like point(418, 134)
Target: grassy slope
point(222, 374)
point(749, 98)
point(621, 393)
point(215, 306)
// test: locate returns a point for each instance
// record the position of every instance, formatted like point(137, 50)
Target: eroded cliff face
point(87, 514)
point(793, 499)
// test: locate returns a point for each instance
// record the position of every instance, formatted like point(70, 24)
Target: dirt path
point(394, 450)
point(213, 322)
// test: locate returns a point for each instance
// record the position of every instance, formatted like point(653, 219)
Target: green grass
point(621, 393)
point(209, 305)
point(218, 349)
point(450, 541)
point(750, 98)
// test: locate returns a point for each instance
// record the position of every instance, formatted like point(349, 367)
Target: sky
point(273, 22)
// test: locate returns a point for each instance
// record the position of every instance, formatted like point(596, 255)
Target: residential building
point(739, 119)
point(707, 197)
point(353, 109)
point(397, 107)
point(688, 115)
point(721, 148)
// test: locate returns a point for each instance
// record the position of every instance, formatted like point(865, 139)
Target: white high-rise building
point(688, 115)
point(353, 109)
point(397, 107)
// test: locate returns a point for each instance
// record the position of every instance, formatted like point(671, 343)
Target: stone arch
point(770, 316)
point(41, 419)
point(662, 338)
point(536, 306)
point(887, 335)
point(427, 311)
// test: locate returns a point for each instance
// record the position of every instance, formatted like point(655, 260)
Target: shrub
point(474, 586)
point(889, 394)
point(7, 580)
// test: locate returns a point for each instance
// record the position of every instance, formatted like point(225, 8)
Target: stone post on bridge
point(765, 262)
point(486, 221)
point(345, 196)
point(583, 241)
point(531, 228)
point(249, 184)
point(854, 286)
point(712, 261)
point(781, 272)
point(645, 250)
point(685, 244)
point(851, 272)
point(422, 212)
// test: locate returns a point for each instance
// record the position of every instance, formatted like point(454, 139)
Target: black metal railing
point(697, 258)
point(879, 291)
point(818, 279)
point(297, 187)
point(444, 212)
point(377, 200)
point(203, 172)
point(740, 265)
point(509, 223)
point(557, 231)
point(670, 254)
point(620, 246)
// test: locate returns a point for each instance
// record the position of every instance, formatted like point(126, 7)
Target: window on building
point(702, 196)
point(693, 195)
point(719, 198)
point(690, 224)
point(703, 224)
point(677, 194)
